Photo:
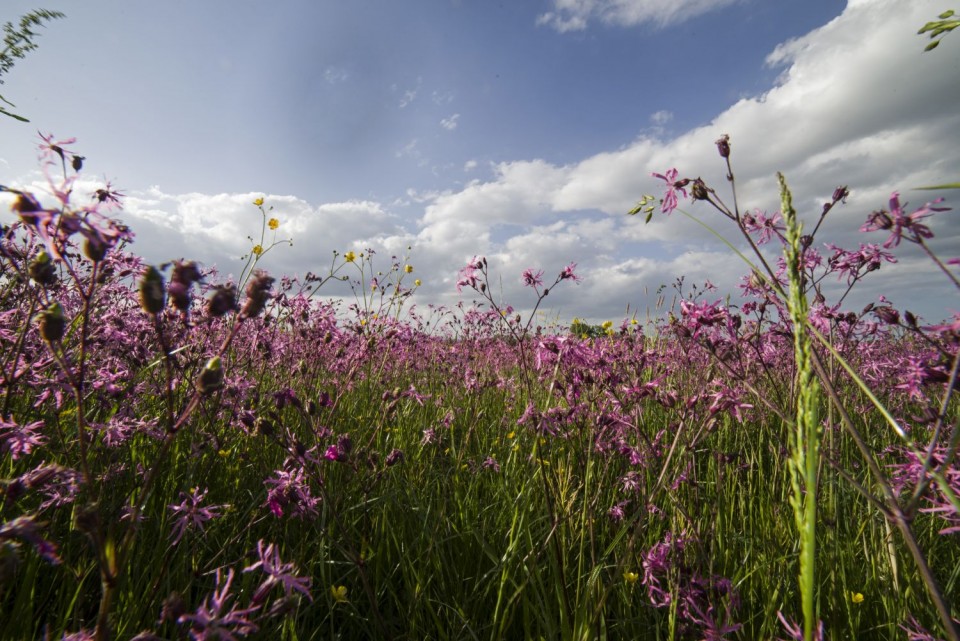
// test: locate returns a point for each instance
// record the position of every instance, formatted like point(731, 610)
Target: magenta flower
point(467, 277)
point(20, 440)
point(278, 573)
point(568, 274)
point(669, 202)
point(898, 222)
point(213, 621)
point(532, 278)
point(190, 515)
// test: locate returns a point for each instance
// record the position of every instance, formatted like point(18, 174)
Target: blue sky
point(520, 130)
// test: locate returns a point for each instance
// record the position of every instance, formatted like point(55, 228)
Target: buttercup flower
point(257, 250)
point(258, 202)
point(856, 597)
point(349, 257)
point(273, 223)
point(631, 577)
point(339, 593)
point(408, 269)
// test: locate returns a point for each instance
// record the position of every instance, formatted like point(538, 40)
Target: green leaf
point(14, 116)
point(931, 46)
point(946, 14)
point(947, 186)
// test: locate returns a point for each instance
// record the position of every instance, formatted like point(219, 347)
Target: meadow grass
point(267, 467)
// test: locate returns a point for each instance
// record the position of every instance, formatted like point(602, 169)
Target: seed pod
point(151, 291)
point(52, 323)
point(211, 378)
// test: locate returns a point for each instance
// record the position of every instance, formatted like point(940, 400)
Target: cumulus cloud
point(856, 103)
point(575, 15)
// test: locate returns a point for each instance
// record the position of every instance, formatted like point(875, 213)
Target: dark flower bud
point(186, 273)
point(52, 323)
point(179, 295)
point(910, 318)
point(345, 443)
point(840, 193)
point(888, 315)
point(880, 220)
point(395, 456)
point(26, 207)
point(805, 241)
point(264, 427)
point(86, 519)
point(211, 378)
point(151, 291)
point(95, 248)
point(174, 607)
point(699, 190)
point(223, 300)
point(723, 146)
point(77, 162)
point(258, 293)
point(42, 270)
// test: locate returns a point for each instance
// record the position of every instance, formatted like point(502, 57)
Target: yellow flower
point(349, 257)
point(257, 249)
point(418, 282)
point(339, 593)
point(631, 577)
point(607, 324)
point(856, 597)
point(408, 268)
point(258, 202)
point(511, 434)
point(273, 223)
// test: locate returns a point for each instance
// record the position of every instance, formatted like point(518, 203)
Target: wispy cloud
point(575, 15)
point(451, 122)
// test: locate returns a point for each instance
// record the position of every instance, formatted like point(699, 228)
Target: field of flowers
point(187, 458)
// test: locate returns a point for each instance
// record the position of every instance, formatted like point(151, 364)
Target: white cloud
point(335, 75)
point(450, 123)
point(661, 117)
point(857, 103)
point(575, 15)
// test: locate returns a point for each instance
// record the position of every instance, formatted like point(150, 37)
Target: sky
point(519, 130)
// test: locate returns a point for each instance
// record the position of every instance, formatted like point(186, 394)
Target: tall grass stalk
point(805, 441)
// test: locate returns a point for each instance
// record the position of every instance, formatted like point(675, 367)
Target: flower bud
point(42, 270)
point(151, 291)
point(223, 300)
point(179, 295)
point(95, 248)
point(723, 146)
point(52, 323)
point(211, 378)
point(699, 190)
point(888, 315)
point(258, 293)
point(880, 220)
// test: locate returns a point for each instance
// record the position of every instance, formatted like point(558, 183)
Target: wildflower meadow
point(184, 456)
